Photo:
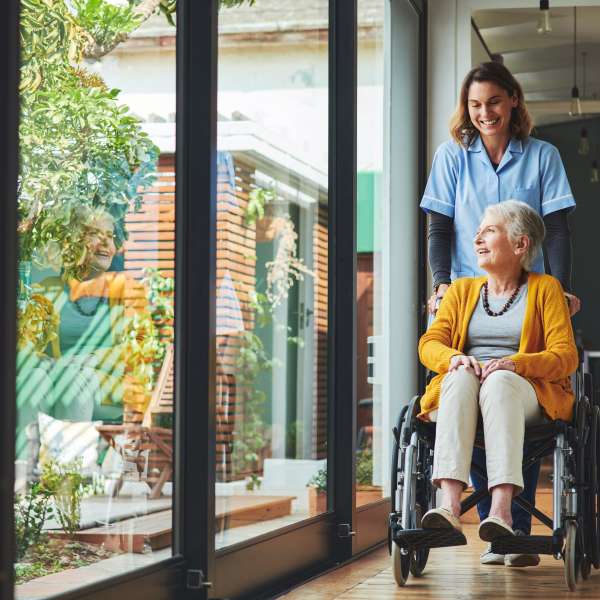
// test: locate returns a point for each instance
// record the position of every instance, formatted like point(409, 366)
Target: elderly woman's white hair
point(520, 219)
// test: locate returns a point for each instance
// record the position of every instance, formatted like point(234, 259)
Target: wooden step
point(235, 511)
point(131, 535)
point(155, 530)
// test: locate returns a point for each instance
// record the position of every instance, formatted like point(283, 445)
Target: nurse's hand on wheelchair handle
point(434, 300)
point(574, 303)
point(468, 361)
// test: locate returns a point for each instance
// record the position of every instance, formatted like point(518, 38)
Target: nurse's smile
point(490, 108)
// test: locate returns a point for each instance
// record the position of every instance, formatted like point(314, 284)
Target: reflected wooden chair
point(147, 449)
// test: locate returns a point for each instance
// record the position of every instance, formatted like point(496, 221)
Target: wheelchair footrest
point(523, 544)
point(428, 538)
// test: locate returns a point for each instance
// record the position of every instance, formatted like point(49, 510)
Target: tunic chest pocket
point(530, 196)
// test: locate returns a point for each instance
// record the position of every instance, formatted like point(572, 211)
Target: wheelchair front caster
point(571, 556)
point(401, 564)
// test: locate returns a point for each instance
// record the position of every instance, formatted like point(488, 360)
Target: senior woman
point(502, 345)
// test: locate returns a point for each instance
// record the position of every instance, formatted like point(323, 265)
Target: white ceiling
point(543, 64)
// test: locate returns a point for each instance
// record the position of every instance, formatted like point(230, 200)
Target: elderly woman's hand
point(496, 364)
point(462, 360)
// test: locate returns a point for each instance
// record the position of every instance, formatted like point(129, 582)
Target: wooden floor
point(451, 573)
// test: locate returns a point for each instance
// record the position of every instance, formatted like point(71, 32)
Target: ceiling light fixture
point(543, 25)
point(583, 147)
point(575, 110)
point(594, 178)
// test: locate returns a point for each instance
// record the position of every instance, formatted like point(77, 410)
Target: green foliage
point(53, 555)
point(160, 296)
point(251, 433)
point(255, 209)
point(142, 349)
point(65, 483)
point(249, 436)
point(235, 3)
point(78, 145)
point(105, 21)
point(319, 480)
point(31, 511)
point(364, 466)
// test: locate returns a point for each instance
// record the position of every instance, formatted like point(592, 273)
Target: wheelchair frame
point(575, 525)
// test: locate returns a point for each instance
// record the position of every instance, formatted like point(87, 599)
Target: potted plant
point(366, 492)
point(317, 492)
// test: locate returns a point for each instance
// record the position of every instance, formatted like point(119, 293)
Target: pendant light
point(575, 110)
point(594, 175)
point(543, 25)
point(583, 147)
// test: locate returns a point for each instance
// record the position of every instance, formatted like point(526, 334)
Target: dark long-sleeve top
point(557, 247)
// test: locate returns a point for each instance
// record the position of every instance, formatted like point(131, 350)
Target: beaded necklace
point(486, 304)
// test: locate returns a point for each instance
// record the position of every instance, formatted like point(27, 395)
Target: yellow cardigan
point(547, 353)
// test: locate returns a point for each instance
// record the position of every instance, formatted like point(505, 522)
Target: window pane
point(371, 465)
point(272, 246)
point(93, 494)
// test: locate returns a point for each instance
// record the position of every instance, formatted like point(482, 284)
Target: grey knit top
point(496, 337)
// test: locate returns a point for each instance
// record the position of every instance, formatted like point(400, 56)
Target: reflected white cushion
point(64, 441)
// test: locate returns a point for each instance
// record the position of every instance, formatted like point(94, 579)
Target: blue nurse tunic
point(463, 182)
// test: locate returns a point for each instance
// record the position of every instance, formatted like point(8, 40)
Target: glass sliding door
point(370, 472)
point(94, 455)
point(389, 171)
point(272, 267)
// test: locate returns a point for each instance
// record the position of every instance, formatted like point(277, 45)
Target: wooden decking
point(154, 531)
point(451, 573)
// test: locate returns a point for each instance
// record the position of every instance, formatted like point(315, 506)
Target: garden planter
point(317, 501)
point(365, 494)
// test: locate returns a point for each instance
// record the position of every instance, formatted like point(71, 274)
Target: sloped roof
point(272, 16)
point(286, 15)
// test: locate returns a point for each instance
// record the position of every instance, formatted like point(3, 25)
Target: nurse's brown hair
point(461, 127)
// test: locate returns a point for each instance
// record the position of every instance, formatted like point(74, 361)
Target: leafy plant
point(65, 484)
point(364, 466)
point(31, 511)
point(249, 436)
point(160, 294)
point(105, 21)
point(78, 145)
point(319, 480)
point(142, 349)
point(255, 209)
point(55, 555)
point(37, 324)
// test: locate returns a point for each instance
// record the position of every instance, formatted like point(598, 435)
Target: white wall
point(284, 88)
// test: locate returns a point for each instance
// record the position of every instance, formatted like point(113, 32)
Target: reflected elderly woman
point(79, 376)
point(503, 347)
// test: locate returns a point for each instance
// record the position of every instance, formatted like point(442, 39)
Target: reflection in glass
point(94, 443)
point(272, 280)
point(371, 465)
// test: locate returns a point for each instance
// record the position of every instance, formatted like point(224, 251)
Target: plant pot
point(317, 501)
point(365, 494)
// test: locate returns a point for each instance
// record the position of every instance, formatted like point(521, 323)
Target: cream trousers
point(507, 403)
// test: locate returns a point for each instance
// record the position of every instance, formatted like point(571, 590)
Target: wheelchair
point(575, 523)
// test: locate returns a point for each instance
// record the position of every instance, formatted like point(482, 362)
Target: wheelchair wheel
point(571, 555)
point(586, 568)
point(401, 564)
point(592, 523)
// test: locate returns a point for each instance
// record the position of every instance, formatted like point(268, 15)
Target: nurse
point(492, 158)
